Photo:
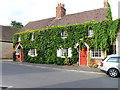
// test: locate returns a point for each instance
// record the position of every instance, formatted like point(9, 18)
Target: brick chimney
point(60, 10)
point(105, 3)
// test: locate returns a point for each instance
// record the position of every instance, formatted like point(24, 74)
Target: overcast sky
point(31, 10)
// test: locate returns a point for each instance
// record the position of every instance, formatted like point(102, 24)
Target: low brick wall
point(95, 61)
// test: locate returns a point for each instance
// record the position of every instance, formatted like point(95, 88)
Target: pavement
point(59, 67)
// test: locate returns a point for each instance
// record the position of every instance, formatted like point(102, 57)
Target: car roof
point(113, 55)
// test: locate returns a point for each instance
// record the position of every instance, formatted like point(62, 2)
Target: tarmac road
point(25, 76)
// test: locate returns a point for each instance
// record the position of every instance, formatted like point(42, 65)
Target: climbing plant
point(47, 41)
point(109, 13)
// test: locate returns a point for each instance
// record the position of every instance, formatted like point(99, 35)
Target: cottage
point(33, 47)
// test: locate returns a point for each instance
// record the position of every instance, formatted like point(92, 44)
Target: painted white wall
point(118, 44)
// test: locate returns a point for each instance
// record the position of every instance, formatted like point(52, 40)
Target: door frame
point(20, 52)
point(87, 51)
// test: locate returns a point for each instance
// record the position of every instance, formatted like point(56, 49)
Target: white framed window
point(90, 33)
point(32, 52)
point(63, 34)
point(60, 52)
point(64, 50)
point(96, 53)
point(19, 39)
point(33, 36)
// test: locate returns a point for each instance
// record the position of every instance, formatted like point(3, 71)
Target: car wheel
point(113, 73)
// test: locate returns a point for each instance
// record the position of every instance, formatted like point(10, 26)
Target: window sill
point(33, 55)
point(97, 57)
point(90, 36)
point(64, 37)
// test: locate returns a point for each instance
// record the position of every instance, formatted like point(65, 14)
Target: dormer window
point(63, 34)
point(90, 33)
point(33, 36)
point(19, 39)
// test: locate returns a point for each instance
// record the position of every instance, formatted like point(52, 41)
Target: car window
point(113, 59)
point(119, 59)
point(104, 59)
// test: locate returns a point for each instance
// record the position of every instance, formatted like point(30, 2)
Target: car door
point(119, 63)
point(112, 62)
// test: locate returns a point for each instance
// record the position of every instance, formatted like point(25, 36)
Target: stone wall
point(6, 50)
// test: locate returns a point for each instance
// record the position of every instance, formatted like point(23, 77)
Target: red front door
point(21, 55)
point(83, 56)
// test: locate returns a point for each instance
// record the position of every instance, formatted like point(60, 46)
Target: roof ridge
point(85, 11)
point(42, 19)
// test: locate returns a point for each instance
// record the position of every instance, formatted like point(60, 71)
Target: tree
point(16, 24)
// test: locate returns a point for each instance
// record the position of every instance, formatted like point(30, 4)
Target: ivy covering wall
point(49, 40)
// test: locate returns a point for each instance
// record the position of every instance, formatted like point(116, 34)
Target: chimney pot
point(60, 11)
point(60, 4)
point(105, 3)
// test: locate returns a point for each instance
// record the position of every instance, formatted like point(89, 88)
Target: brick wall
point(60, 11)
point(6, 50)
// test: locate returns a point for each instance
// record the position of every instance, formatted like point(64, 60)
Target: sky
point(25, 11)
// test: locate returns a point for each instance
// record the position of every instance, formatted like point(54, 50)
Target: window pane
point(32, 51)
point(96, 53)
point(90, 32)
point(63, 33)
point(113, 59)
point(64, 51)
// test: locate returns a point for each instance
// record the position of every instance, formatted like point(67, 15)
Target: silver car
point(111, 65)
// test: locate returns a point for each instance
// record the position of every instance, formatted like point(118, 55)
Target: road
point(19, 76)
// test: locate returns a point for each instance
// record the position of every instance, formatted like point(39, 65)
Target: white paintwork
point(32, 38)
point(60, 51)
point(87, 52)
point(118, 44)
point(102, 55)
point(76, 45)
point(29, 53)
point(18, 46)
point(19, 39)
point(63, 37)
point(69, 52)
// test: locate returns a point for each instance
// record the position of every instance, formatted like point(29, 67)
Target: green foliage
point(49, 40)
point(16, 24)
point(14, 57)
point(109, 13)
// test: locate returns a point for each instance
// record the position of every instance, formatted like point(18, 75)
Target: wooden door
point(83, 57)
point(21, 55)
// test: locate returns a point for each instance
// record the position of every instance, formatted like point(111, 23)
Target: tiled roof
point(6, 33)
point(97, 15)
